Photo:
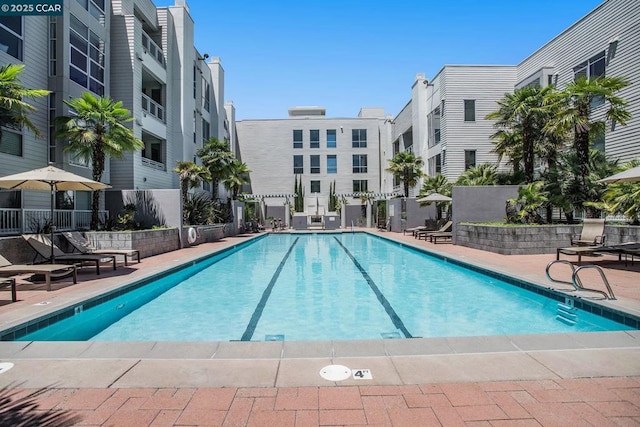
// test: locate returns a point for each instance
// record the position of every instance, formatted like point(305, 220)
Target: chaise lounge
point(47, 270)
point(42, 245)
point(426, 234)
point(592, 233)
point(82, 245)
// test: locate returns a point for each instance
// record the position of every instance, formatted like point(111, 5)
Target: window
point(315, 163)
point(359, 138)
point(53, 46)
point(359, 163)
point(95, 8)
point(591, 69)
point(360, 186)
point(297, 138)
point(206, 89)
point(469, 159)
point(315, 186)
point(64, 200)
point(314, 138)
point(438, 164)
point(86, 66)
point(206, 130)
point(11, 199)
point(332, 163)
point(298, 165)
point(331, 138)
point(52, 128)
point(469, 110)
point(11, 143)
point(11, 35)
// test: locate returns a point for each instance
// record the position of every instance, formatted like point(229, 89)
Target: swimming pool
point(341, 286)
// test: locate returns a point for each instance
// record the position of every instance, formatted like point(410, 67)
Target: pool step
point(567, 314)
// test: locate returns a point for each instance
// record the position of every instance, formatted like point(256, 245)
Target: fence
point(18, 221)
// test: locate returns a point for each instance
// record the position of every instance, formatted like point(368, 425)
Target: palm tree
point(237, 176)
point(520, 118)
point(484, 174)
point(191, 176)
point(574, 105)
point(436, 184)
point(97, 130)
point(624, 197)
point(13, 110)
point(216, 157)
point(406, 167)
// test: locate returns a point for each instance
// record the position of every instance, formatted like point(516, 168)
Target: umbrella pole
point(53, 200)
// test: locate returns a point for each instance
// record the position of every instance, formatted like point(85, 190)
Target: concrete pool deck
point(584, 378)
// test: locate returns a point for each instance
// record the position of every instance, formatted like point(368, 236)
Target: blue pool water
point(320, 287)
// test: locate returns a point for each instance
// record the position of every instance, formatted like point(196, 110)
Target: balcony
point(152, 49)
point(153, 164)
point(19, 221)
point(153, 108)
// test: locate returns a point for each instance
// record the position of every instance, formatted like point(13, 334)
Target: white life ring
point(192, 236)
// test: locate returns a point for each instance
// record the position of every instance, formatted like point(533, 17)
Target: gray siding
point(614, 20)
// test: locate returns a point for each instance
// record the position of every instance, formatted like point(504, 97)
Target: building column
point(287, 214)
point(343, 214)
point(368, 209)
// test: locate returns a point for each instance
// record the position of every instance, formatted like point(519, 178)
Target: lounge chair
point(48, 270)
point(10, 282)
point(580, 251)
point(82, 245)
point(443, 235)
point(592, 233)
point(42, 245)
point(445, 228)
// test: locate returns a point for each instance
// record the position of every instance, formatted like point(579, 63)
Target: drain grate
point(335, 373)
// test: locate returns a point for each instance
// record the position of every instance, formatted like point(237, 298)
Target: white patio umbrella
point(434, 197)
point(52, 179)
point(630, 175)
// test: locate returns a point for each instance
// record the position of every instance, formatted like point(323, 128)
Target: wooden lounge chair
point(445, 228)
point(580, 251)
point(47, 270)
point(443, 235)
point(42, 245)
point(592, 233)
point(82, 245)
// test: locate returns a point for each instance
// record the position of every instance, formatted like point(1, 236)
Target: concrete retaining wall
point(533, 239)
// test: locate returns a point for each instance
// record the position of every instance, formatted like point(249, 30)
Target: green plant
point(526, 207)
point(407, 167)
point(198, 209)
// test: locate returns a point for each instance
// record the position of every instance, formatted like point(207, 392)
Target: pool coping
point(297, 363)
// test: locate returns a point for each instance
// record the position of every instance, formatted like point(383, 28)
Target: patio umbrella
point(630, 175)
point(434, 197)
point(52, 179)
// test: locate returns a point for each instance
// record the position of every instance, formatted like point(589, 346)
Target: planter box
point(148, 242)
point(532, 239)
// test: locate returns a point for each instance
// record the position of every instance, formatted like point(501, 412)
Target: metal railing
point(18, 221)
point(153, 164)
point(153, 49)
point(153, 108)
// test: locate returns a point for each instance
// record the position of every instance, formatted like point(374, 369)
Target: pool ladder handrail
point(575, 278)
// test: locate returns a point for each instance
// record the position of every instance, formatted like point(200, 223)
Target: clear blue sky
point(348, 54)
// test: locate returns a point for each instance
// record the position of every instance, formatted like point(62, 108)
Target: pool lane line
point(397, 322)
point(257, 313)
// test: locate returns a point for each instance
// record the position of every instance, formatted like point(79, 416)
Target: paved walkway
point(579, 379)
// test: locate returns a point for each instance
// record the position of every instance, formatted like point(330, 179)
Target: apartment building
point(319, 150)
point(444, 121)
point(133, 52)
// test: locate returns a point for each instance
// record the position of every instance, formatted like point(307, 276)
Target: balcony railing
point(153, 49)
point(153, 164)
point(153, 108)
point(18, 221)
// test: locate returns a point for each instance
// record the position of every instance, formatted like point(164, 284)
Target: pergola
point(370, 198)
point(261, 197)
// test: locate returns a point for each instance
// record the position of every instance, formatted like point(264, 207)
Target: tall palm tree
point(216, 157)
point(574, 106)
point(520, 118)
point(13, 109)
point(191, 176)
point(96, 131)
point(407, 167)
point(237, 176)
